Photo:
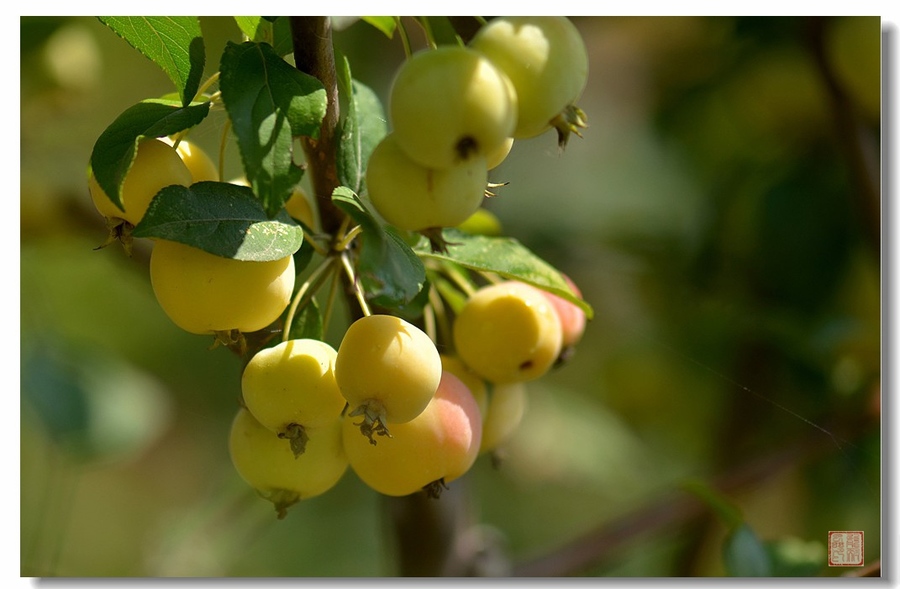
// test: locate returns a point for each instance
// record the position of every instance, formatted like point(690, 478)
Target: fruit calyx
point(373, 423)
point(569, 121)
point(435, 488)
point(297, 436)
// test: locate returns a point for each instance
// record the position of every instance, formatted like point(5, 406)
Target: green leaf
point(269, 103)
point(745, 555)
point(174, 43)
point(221, 218)
point(116, 147)
point(390, 271)
point(506, 257)
point(363, 125)
point(385, 24)
point(276, 32)
point(442, 31)
point(307, 323)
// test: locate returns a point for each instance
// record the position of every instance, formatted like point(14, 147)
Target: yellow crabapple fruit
point(450, 104)
point(268, 464)
point(388, 370)
point(412, 197)
point(204, 293)
point(477, 386)
point(507, 332)
point(546, 60)
point(299, 207)
point(197, 161)
point(571, 316)
point(482, 222)
point(290, 388)
point(155, 166)
point(505, 411)
point(498, 156)
point(434, 448)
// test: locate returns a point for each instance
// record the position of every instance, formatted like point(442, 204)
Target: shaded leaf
point(174, 43)
point(506, 257)
point(307, 323)
point(363, 125)
point(220, 218)
point(391, 273)
point(274, 31)
point(116, 147)
point(269, 103)
point(442, 30)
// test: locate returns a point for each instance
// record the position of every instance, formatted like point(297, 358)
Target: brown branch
point(670, 511)
point(314, 55)
point(859, 147)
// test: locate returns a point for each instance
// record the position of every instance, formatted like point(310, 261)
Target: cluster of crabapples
point(405, 413)
point(455, 112)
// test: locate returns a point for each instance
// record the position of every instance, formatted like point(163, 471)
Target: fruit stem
point(206, 85)
point(347, 239)
point(456, 277)
point(404, 37)
point(329, 305)
point(429, 33)
point(354, 284)
point(314, 277)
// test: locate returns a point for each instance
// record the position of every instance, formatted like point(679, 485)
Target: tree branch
point(673, 510)
point(859, 147)
point(314, 55)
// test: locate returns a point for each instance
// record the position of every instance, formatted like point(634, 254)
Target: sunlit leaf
point(385, 24)
point(506, 257)
point(269, 103)
point(220, 218)
point(174, 43)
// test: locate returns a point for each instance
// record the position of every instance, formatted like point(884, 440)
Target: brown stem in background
point(859, 146)
point(670, 511)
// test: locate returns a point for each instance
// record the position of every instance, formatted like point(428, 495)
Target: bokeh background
point(722, 216)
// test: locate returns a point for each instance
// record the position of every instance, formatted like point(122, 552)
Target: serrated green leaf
point(116, 147)
point(274, 31)
point(363, 126)
point(385, 24)
point(744, 555)
point(506, 257)
point(174, 43)
point(221, 218)
point(269, 103)
point(390, 272)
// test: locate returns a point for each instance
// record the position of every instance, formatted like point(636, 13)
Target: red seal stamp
point(846, 549)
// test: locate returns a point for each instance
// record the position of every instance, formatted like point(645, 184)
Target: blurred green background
point(722, 216)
